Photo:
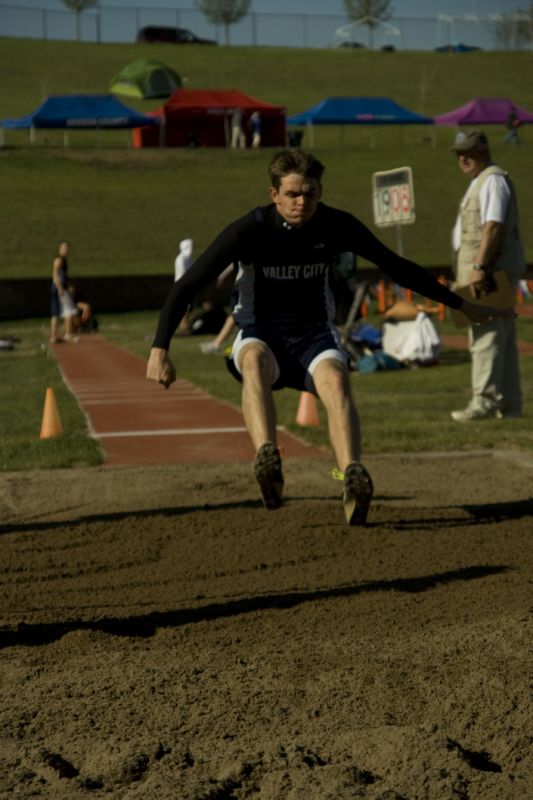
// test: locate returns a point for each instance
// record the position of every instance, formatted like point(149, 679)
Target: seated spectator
point(216, 344)
point(209, 318)
point(83, 320)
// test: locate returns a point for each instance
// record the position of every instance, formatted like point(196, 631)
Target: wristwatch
point(478, 267)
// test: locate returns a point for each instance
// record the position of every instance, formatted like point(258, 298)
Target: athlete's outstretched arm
point(206, 268)
point(413, 276)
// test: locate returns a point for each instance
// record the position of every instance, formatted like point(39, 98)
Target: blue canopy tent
point(358, 111)
point(81, 112)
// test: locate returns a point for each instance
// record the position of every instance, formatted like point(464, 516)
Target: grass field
point(126, 210)
point(401, 411)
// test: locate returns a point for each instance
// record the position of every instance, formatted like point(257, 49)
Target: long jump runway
point(139, 422)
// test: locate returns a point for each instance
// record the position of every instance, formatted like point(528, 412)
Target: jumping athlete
point(285, 253)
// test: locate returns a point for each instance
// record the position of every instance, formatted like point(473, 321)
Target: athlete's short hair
point(294, 161)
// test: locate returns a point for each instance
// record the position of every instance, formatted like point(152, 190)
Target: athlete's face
point(297, 198)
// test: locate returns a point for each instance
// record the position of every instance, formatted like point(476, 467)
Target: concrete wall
point(23, 299)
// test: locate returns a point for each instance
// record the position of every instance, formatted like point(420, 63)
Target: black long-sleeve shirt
point(283, 272)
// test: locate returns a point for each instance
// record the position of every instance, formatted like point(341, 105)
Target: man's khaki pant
point(495, 366)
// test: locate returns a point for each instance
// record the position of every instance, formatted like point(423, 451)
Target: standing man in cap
point(486, 238)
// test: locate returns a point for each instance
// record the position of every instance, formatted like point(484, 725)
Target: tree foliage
point(78, 6)
point(224, 12)
point(515, 30)
point(371, 13)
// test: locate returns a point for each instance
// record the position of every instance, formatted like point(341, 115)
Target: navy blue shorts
point(296, 355)
point(55, 308)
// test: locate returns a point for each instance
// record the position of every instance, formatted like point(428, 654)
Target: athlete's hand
point(160, 368)
point(477, 313)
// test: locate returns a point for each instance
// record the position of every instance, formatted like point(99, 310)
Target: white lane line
point(103, 385)
point(117, 390)
point(133, 400)
point(168, 432)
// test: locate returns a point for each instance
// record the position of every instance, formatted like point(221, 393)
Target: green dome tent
point(146, 78)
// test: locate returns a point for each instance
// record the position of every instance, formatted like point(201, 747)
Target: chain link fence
point(121, 25)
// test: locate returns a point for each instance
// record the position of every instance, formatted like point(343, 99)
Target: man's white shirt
point(494, 198)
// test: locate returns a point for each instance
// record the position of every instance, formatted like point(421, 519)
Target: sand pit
point(163, 636)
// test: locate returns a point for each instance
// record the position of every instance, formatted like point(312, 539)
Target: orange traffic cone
point(51, 424)
point(307, 413)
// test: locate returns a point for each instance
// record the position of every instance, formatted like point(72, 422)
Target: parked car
point(161, 33)
point(458, 47)
point(348, 44)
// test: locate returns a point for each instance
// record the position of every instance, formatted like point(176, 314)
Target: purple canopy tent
point(483, 111)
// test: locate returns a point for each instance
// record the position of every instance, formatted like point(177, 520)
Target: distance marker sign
point(393, 196)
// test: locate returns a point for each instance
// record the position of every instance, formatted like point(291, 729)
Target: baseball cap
point(469, 140)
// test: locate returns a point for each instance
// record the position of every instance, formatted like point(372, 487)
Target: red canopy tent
point(202, 117)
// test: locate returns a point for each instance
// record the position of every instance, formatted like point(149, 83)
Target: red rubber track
point(139, 422)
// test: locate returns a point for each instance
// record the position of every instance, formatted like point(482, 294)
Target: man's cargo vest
point(510, 253)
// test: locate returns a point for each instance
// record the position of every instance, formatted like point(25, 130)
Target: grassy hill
point(125, 211)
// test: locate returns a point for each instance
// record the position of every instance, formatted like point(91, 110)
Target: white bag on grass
point(412, 341)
